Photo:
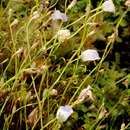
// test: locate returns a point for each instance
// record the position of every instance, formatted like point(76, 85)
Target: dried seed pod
point(33, 117)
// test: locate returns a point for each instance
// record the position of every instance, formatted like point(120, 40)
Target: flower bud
point(63, 34)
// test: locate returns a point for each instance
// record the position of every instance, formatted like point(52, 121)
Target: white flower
point(85, 93)
point(108, 6)
point(64, 113)
point(57, 15)
point(89, 55)
point(63, 34)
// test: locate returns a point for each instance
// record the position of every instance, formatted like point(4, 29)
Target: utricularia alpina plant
point(89, 55)
point(63, 35)
point(63, 113)
point(108, 6)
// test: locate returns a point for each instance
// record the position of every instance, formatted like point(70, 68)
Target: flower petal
point(108, 6)
point(57, 15)
point(64, 113)
point(89, 55)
